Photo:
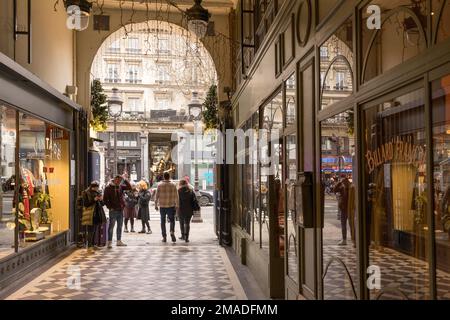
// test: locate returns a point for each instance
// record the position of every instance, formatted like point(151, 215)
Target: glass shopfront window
point(441, 178)
point(256, 182)
point(339, 208)
point(35, 180)
point(396, 202)
point(44, 179)
point(8, 179)
point(402, 36)
point(291, 216)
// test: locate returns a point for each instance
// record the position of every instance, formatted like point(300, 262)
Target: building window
point(133, 73)
point(340, 81)
point(114, 47)
point(133, 105)
point(162, 104)
point(324, 53)
point(133, 45)
point(162, 74)
point(163, 46)
point(112, 73)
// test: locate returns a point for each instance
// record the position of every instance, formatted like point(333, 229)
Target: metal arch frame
point(338, 57)
point(377, 32)
point(338, 260)
point(438, 22)
point(392, 290)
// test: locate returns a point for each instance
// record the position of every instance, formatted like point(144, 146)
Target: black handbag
point(195, 204)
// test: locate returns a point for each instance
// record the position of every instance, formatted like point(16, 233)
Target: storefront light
point(79, 11)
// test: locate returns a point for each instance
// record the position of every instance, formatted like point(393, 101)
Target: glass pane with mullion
point(339, 208)
point(441, 178)
point(291, 213)
point(8, 181)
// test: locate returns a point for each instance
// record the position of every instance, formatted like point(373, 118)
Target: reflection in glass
point(256, 183)
point(396, 211)
point(272, 120)
point(443, 29)
point(441, 177)
point(291, 101)
point(339, 208)
point(336, 65)
point(291, 216)
point(402, 36)
point(8, 177)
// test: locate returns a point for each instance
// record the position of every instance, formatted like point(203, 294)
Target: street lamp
point(195, 111)
point(115, 104)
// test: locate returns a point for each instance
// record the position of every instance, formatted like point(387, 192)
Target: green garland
point(210, 115)
point(99, 107)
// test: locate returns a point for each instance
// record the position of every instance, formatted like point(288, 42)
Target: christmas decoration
point(210, 115)
point(99, 107)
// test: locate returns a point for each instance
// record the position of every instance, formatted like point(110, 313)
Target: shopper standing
point(114, 201)
point(342, 189)
point(144, 209)
point(129, 212)
point(167, 200)
point(93, 214)
point(187, 205)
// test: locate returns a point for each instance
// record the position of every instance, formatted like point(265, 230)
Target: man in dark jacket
point(113, 198)
point(187, 205)
point(342, 191)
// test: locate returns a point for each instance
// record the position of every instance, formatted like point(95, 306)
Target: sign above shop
point(396, 151)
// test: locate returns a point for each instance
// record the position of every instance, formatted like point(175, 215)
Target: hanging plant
point(210, 107)
point(99, 107)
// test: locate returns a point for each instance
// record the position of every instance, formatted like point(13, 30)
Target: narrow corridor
point(145, 270)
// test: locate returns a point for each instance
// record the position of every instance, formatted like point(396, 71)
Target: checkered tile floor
point(145, 270)
point(399, 271)
point(135, 273)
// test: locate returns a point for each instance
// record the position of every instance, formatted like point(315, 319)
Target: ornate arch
point(439, 20)
point(337, 58)
point(377, 32)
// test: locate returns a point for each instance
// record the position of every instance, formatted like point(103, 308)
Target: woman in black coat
point(144, 209)
point(93, 199)
point(188, 204)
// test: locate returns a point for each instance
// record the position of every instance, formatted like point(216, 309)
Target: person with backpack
point(188, 204)
point(93, 213)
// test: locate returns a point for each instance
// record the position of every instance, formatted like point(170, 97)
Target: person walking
point(144, 209)
point(166, 199)
point(188, 203)
point(129, 212)
point(114, 201)
point(93, 214)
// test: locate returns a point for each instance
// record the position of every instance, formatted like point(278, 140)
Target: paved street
point(145, 270)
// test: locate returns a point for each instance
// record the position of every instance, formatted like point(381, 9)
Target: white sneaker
point(342, 243)
point(121, 244)
point(109, 244)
